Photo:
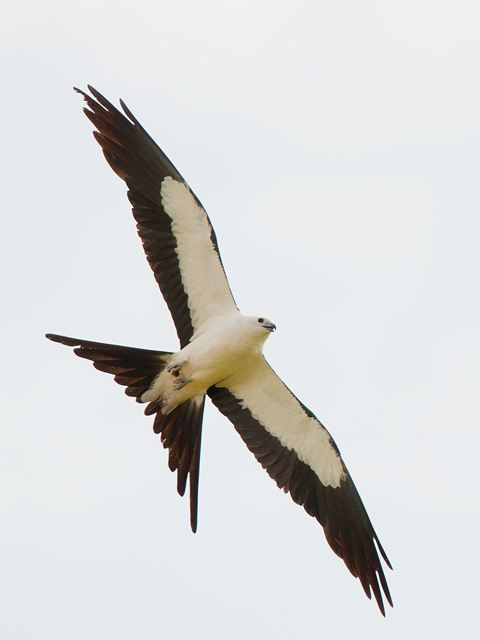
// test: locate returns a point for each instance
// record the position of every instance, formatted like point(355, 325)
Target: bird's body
point(220, 356)
point(225, 348)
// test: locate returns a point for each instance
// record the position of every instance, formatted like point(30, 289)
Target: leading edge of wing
point(298, 453)
point(176, 233)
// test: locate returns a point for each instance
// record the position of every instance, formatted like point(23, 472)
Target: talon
point(174, 369)
point(179, 383)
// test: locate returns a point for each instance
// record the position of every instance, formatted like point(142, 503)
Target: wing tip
point(81, 92)
point(382, 551)
point(102, 101)
point(69, 342)
point(128, 113)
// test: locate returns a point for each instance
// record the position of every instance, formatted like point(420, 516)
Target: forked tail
point(180, 431)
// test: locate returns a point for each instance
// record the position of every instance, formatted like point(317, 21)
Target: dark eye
point(260, 320)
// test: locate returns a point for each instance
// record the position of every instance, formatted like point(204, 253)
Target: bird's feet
point(174, 369)
point(179, 383)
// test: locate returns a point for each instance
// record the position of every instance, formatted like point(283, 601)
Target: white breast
point(224, 345)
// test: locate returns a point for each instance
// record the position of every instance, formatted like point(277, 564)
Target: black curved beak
point(271, 327)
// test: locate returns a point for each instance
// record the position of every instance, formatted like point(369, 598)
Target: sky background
point(335, 146)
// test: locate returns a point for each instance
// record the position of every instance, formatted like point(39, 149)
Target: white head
point(264, 323)
point(258, 327)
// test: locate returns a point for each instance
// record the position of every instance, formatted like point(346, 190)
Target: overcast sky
point(335, 146)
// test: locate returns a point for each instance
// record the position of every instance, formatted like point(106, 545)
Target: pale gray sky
point(335, 147)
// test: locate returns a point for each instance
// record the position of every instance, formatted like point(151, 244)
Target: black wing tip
point(370, 584)
point(373, 580)
point(128, 113)
point(100, 98)
point(379, 590)
point(88, 98)
point(385, 588)
point(382, 551)
point(81, 92)
point(95, 93)
point(69, 342)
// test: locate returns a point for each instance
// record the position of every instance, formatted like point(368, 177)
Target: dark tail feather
point(181, 430)
point(133, 368)
point(181, 433)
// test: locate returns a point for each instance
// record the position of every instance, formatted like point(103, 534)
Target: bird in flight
point(220, 356)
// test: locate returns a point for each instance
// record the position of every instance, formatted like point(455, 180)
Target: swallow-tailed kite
point(220, 356)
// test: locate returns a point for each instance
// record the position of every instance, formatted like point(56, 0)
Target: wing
point(299, 454)
point(177, 236)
